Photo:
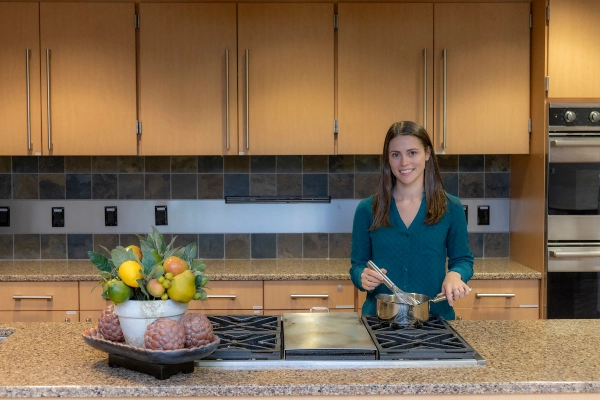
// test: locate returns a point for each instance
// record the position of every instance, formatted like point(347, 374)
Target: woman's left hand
point(454, 288)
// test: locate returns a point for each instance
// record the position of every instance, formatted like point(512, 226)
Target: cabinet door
point(188, 85)
point(304, 295)
point(286, 78)
point(573, 57)
point(485, 75)
point(385, 71)
point(20, 118)
point(88, 51)
point(231, 296)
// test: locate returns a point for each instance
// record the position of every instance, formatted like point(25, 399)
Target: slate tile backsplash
point(214, 177)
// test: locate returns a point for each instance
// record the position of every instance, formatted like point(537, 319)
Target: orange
point(136, 250)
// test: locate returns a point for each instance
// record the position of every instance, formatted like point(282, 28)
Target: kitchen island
point(524, 360)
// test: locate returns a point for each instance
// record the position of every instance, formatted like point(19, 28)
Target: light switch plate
point(160, 215)
point(58, 217)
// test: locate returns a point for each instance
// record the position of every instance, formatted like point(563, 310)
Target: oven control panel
point(574, 117)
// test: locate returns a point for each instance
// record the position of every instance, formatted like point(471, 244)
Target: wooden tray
point(97, 341)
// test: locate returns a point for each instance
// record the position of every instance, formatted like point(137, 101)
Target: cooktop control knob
point(595, 116)
point(569, 116)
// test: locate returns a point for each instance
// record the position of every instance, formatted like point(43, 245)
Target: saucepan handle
point(442, 297)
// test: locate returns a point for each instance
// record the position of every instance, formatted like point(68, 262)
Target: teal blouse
point(414, 257)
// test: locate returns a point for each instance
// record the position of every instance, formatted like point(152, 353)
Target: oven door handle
point(575, 142)
point(568, 254)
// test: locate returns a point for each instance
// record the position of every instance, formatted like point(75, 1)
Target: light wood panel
point(92, 78)
point(90, 297)
point(188, 103)
point(290, 80)
point(19, 30)
point(231, 296)
point(61, 296)
point(337, 294)
point(39, 316)
point(573, 59)
point(383, 50)
point(526, 292)
point(487, 78)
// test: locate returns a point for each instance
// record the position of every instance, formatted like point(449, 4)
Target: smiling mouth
point(406, 171)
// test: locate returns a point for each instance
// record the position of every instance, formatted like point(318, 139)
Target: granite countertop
point(541, 356)
point(226, 270)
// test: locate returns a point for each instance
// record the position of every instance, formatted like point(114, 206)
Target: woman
point(410, 226)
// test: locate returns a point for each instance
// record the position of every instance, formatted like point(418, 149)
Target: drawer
point(39, 316)
point(89, 300)
point(39, 296)
point(230, 295)
point(503, 293)
point(304, 295)
point(496, 313)
point(281, 312)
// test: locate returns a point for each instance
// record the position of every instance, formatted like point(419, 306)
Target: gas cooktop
point(259, 341)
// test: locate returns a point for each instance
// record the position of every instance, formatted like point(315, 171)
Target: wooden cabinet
point(302, 296)
point(573, 59)
point(461, 69)
point(188, 79)
point(91, 302)
point(481, 78)
point(385, 71)
point(20, 113)
point(88, 78)
point(500, 299)
point(39, 302)
point(285, 78)
point(231, 297)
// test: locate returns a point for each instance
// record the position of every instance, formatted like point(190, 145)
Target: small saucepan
point(405, 314)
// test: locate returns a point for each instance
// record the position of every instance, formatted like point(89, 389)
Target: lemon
point(118, 291)
point(129, 272)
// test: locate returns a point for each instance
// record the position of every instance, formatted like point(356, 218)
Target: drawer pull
point(310, 296)
point(479, 295)
point(222, 296)
point(19, 297)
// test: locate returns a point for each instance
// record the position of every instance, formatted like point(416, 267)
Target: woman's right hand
point(370, 279)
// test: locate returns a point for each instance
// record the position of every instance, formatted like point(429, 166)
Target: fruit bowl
point(93, 338)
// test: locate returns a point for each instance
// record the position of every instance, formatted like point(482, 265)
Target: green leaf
point(189, 253)
point(157, 241)
point(200, 280)
point(203, 294)
point(119, 255)
point(143, 288)
point(198, 265)
point(100, 261)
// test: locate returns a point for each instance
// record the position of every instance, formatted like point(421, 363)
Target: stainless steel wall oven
point(573, 206)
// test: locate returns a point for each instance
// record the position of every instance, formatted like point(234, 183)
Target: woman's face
point(407, 158)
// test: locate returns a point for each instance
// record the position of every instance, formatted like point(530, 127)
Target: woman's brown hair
point(434, 190)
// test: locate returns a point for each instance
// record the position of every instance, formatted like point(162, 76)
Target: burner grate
point(246, 337)
point(245, 322)
point(431, 339)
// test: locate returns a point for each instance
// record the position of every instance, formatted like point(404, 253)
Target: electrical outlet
point(4, 216)
point(110, 216)
point(160, 215)
point(466, 208)
point(483, 215)
point(58, 217)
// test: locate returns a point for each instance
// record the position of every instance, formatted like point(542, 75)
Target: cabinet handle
point(319, 309)
point(222, 296)
point(425, 89)
point(88, 320)
point(566, 254)
point(247, 104)
point(28, 85)
point(49, 120)
point(310, 296)
point(19, 297)
point(227, 95)
point(479, 295)
point(444, 142)
point(67, 319)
